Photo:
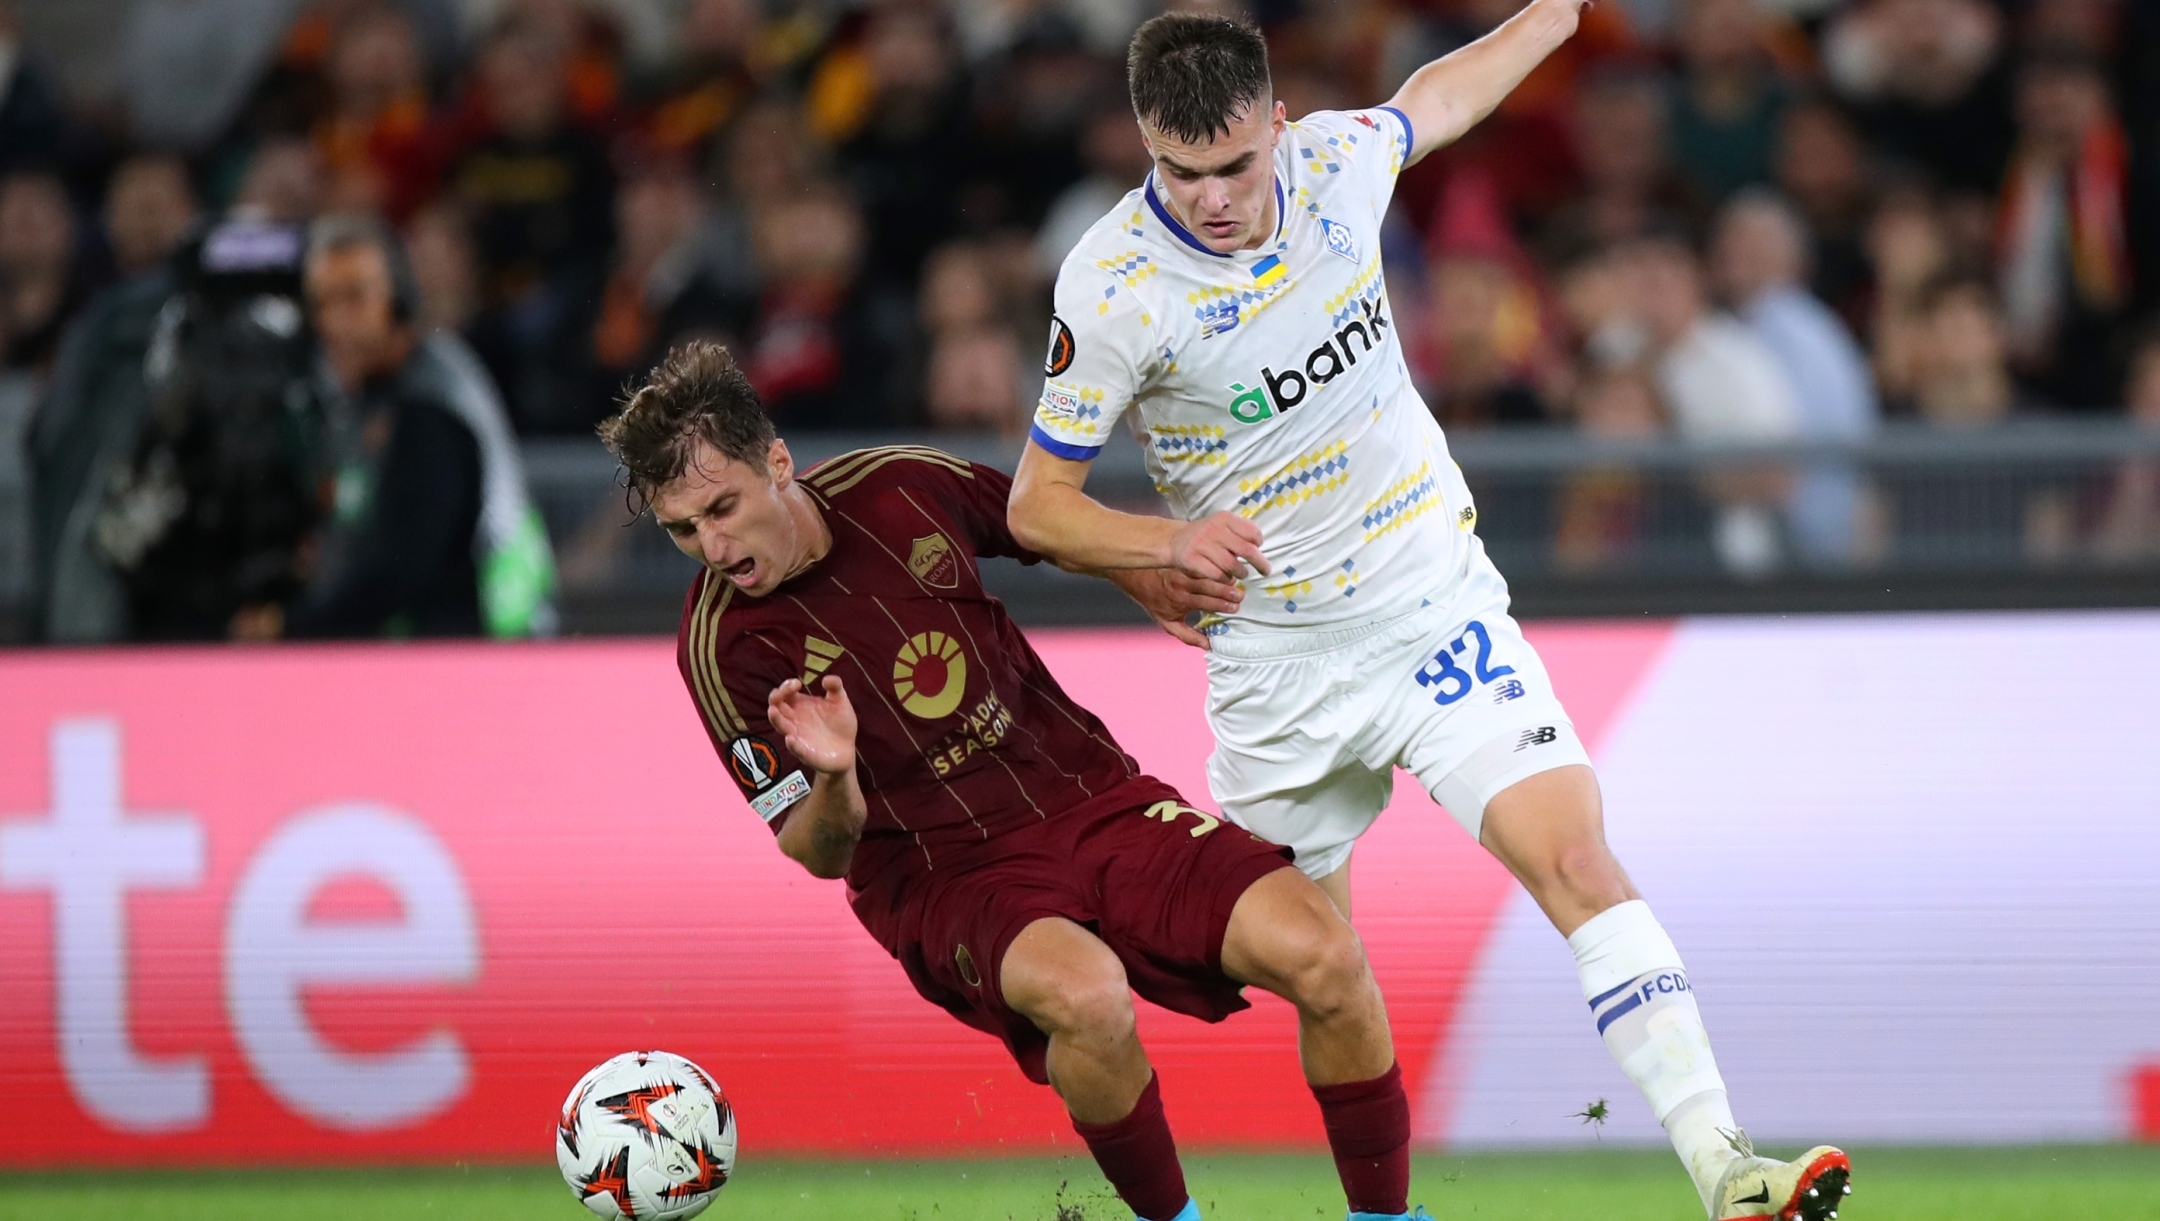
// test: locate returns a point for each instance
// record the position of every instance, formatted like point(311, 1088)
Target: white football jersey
point(1270, 382)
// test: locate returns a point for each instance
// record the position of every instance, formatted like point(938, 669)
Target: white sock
point(1645, 1011)
point(1701, 1131)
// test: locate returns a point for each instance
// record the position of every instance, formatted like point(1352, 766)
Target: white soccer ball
point(646, 1136)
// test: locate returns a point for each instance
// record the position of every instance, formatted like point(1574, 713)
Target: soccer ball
point(646, 1135)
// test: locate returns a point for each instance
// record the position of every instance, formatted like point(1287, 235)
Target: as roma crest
point(933, 561)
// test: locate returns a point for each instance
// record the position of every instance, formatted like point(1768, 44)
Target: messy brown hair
point(696, 393)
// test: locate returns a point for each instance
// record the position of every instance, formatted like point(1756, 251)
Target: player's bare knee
point(1323, 967)
point(1099, 1009)
point(1085, 1001)
point(1586, 869)
point(1335, 978)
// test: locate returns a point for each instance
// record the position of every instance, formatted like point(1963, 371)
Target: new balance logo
point(1512, 689)
point(1544, 735)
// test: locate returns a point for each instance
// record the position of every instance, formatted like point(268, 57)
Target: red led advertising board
point(389, 902)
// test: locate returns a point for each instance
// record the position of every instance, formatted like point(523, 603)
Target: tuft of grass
point(2065, 1183)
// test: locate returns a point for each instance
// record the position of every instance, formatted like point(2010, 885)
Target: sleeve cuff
point(1063, 449)
point(1409, 134)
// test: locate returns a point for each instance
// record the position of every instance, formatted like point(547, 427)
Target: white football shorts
point(1311, 725)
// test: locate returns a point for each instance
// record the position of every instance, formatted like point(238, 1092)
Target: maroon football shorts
point(1127, 866)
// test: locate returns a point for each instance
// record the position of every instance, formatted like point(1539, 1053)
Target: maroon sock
point(1139, 1158)
point(1368, 1130)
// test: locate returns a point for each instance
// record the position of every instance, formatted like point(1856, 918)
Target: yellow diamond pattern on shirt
point(1067, 410)
point(1409, 498)
point(1289, 589)
point(1318, 161)
point(1251, 300)
point(1347, 579)
point(1202, 443)
point(1307, 476)
point(1133, 267)
point(1344, 306)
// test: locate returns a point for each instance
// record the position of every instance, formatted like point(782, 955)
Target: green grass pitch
point(2071, 1183)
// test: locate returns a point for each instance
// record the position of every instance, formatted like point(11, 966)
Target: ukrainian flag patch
point(1268, 270)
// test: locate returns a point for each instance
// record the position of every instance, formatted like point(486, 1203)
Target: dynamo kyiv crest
point(1339, 239)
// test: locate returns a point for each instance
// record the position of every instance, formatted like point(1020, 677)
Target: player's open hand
point(1170, 596)
point(1217, 547)
point(819, 728)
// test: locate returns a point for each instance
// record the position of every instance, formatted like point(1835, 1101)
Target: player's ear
point(1282, 117)
point(779, 463)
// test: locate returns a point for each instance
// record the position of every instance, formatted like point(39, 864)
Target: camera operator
point(99, 397)
point(198, 485)
point(431, 531)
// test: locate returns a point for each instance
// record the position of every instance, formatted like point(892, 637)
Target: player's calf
point(1643, 1005)
point(1286, 936)
point(1065, 980)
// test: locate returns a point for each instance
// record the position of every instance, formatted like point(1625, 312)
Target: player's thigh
point(1063, 978)
point(1544, 816)
point(960, 926)
point(1475, 713)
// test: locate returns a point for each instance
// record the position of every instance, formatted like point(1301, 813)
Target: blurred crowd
point(1745, 220)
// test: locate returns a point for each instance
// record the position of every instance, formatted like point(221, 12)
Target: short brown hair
point(696, 393)
point(1191, 73)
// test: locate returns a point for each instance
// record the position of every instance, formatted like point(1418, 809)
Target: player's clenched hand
point(1168, 596)
point(1217, 547)
point(819, 728)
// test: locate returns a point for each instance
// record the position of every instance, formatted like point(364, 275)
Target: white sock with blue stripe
point(1645, 1011)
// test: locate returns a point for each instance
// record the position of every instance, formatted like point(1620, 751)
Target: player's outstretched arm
point(823, 829)
point(1448, 96)
point(1051, 513)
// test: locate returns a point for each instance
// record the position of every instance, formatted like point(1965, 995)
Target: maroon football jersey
point(963, 734)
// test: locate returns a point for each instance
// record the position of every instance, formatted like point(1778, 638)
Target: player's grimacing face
point(734, 518)
point(1221, 189)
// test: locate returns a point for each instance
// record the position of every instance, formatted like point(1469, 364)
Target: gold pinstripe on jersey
point(842, 464)
point(861, 464)
point(713, 699)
